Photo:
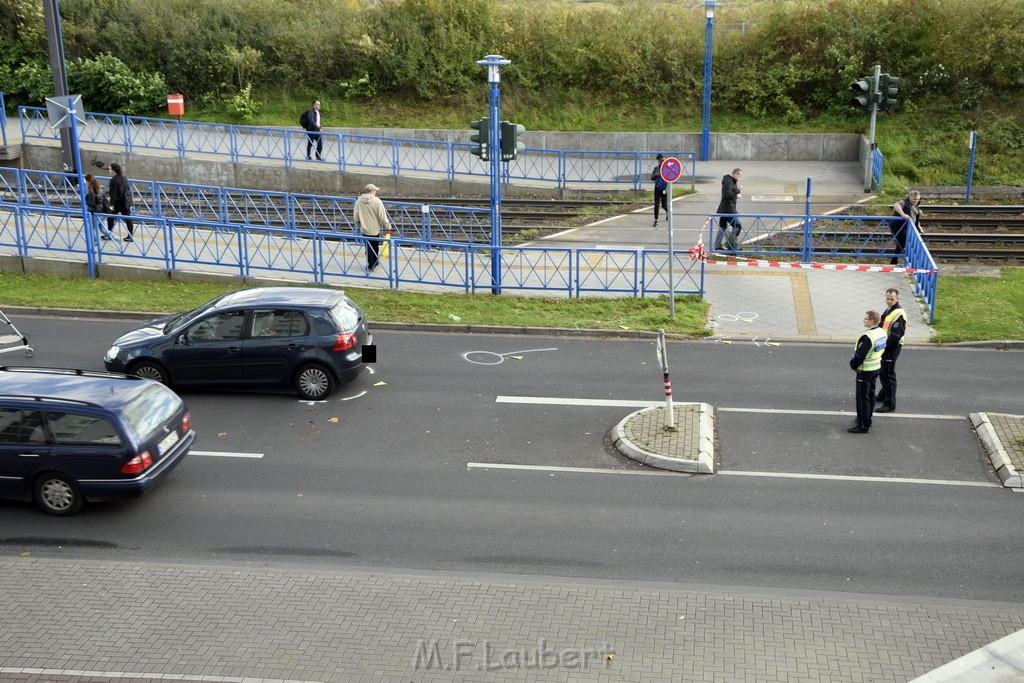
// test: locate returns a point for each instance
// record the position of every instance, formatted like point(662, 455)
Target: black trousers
point(372, 251)
point(865, 397)
point(729, 228)
point(318, 140)
point(887, 376)
point(124, 211)
point(660, 201)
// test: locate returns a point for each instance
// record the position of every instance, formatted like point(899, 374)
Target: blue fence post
point(3, 117)
point(970, 167)
point(233, 138)
point(126, 128)
point(181, 138)
point(808, 248)
point(425, 227)
point(451, 161)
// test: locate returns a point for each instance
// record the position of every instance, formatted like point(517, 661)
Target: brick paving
point(87, 621)
point(1010, 431)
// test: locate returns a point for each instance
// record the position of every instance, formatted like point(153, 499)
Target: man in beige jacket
point(372, 219)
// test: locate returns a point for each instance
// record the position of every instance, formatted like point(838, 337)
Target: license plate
point(167, 442)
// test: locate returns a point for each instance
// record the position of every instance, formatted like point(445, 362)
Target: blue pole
point(87, 226)
point(494, 64)
point(970, 166)
point(709, 32)
point(3, 118)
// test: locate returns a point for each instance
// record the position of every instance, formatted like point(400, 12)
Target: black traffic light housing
point(510, 145)
point(863, 93)
point(481, 138)
point(887, 92)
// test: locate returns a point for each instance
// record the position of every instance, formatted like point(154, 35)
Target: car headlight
point(112, 353)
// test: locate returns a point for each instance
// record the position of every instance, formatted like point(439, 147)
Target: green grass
point(165, 296)
point(970, 308)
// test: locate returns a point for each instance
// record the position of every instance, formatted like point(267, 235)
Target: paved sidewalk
point(111, 621)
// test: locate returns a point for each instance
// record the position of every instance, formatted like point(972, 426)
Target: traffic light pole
point(871, 135)
point(494, 64)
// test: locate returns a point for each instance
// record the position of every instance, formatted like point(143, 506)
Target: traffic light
point(481, 138)
point(863, 97)
point(887, 92)
point(510, 145)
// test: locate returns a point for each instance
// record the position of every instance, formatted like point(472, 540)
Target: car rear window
point(345, 315)
point(149, 410)
point(82, 430)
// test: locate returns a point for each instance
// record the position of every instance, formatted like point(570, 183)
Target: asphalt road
point(398, 469)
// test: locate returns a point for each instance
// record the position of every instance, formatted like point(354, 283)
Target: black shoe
point(128, 239)
point(885, 409)
point(318, 158)
point(104, 237)
point(856, 429)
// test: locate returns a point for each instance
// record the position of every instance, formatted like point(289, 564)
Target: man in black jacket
point(727, 224)
point(312, 126)
point(894, 322)
point(121, 198)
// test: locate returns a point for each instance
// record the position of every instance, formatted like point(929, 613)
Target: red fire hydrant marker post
point(670, 417)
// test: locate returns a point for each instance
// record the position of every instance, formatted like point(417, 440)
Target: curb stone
point(680, 454)
point(1001, 462)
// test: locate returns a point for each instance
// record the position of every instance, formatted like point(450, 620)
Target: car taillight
point(345, 341)
point(138, 463)
point(186, 422)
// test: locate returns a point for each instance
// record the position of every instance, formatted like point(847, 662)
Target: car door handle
point(233, 349)
point(28, 455)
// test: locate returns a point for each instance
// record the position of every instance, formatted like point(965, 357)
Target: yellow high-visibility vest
point(894, 315)
point(873, 361)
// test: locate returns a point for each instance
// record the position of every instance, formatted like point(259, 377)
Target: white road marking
point(226, 454)
point(571, 470)
point(623, 403)
point(850, 477)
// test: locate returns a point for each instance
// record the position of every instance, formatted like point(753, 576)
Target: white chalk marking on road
point(850, 477)
point(500, 356)
point(570, 470)
point(349, 398)
point(227, 454)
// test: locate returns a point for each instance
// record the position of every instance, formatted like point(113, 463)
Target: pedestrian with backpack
point(97, 203)
point(310, 122)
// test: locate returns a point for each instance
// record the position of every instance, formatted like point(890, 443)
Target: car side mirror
point(184, 339)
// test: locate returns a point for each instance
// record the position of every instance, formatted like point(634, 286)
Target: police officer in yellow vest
point(866, 362)
point(894, 322)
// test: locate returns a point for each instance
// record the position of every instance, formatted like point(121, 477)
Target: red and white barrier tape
point(757, 263)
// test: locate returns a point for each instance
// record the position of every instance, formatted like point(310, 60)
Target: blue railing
point(877, 161)
point(918, 256)
point(319, 257)
point(345, 151)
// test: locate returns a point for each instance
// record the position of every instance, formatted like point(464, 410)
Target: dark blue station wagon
point(72, 436)
point(306, 338)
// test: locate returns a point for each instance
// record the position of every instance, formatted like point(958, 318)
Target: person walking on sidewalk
point(310, 121)
point(372, 219)
point(121, 198)
point(660, 187)
point(729, 226)
point(96, 202)
point(894, 322)
point(866, 362)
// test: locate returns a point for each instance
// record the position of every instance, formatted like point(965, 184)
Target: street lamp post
point(709, 32)
point(55, 39)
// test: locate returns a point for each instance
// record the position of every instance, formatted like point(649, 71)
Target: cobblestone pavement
point(111, 621)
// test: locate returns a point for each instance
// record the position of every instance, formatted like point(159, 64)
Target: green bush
point(107, 84)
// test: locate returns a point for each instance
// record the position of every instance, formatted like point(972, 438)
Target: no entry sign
point(671, 169)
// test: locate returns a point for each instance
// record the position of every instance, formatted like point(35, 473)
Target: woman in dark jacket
point(121, 198)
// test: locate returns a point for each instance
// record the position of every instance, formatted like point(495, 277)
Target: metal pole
point(86, 216)
point(973, 143)
point(709, 32)
point(55, 39)
point(494, 64)
point(671, 261)
point(670, 413)
point(871, 133)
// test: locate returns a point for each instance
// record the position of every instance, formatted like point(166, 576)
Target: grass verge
point(380, 305)
point(975, 308)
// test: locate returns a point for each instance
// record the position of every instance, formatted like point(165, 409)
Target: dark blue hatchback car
point(71, 436)
point(306, 338)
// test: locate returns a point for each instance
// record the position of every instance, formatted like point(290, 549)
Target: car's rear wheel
point(314, 382)
point(56, 494)
point(151, 370)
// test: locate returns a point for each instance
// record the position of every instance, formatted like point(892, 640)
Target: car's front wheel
point(151, 370)
point(56, 494)
point(314, 382)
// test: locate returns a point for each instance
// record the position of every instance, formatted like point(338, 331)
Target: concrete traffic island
point(1003, 439)
point(689, 447)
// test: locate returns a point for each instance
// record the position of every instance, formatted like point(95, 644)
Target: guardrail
point(877, 161)
point(337, 258)
point(345, 151)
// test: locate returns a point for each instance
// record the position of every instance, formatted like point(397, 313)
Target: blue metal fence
point(3, 119)
point(344, 151)
point(877, 161)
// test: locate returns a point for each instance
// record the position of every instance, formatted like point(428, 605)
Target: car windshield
point(149, 410)
point(184, 319)
point(345, 315)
